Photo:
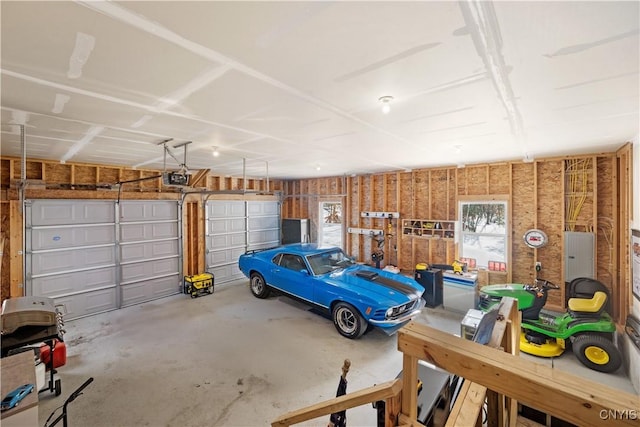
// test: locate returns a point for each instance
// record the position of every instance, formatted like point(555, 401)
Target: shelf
point(430, 229)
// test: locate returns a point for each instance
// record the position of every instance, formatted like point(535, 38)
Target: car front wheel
point(348, 321)
point(258, 286)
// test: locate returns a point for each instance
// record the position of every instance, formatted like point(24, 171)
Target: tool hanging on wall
point(378, 254)
point(390, 236)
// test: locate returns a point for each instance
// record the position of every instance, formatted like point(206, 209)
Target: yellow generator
point(199, 284)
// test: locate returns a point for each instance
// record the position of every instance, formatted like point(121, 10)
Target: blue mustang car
point(15, 396)
point(355, 296)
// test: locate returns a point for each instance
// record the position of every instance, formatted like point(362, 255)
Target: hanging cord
point(577, 171)
point(606, 226)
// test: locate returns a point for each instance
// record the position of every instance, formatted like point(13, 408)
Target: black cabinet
point(295, 230)
point(431, 281)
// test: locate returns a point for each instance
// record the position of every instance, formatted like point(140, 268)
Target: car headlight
point(389, 312)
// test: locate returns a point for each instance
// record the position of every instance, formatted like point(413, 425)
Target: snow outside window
point(484, 231)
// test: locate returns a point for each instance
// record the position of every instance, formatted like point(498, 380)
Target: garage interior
point(143, 142)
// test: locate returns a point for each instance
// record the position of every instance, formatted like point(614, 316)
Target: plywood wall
point(537, 199)
point(523, 195)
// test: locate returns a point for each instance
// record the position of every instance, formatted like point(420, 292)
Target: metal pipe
point(23, 153)
point(146, 178)
point(267, 170)
point(119, 183)
point(21, 186)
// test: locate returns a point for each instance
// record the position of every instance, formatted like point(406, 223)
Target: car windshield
point(329, 261)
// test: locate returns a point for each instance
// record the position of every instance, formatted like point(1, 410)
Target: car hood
point(382, 285)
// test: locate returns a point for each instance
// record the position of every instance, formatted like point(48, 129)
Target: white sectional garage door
point(150, 250)
point(263, 224)
point(94, 256)
point(235, 226)
point(71, 254)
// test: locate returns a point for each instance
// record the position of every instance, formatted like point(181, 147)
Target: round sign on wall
point(535, 238)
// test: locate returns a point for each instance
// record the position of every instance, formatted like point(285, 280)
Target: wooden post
point(409, 390)
point(16, 250)
point(560, 394)
point(392, 409)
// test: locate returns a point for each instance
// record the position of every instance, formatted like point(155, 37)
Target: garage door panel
point(148, 250)
point(73, 259)
point(150, 253)
point(266, 237)
point(233, 228)
point(222, 241)
point(64, 284)
point(225, 256)
point(88, 303)
point(230, 225)
point(265, 222)
point(66, 212)
point(149, 269)
point(225, 208)
point(66, 237)
point(149, 231)
point(73, 251)
point(132, 211)
point(226, 273)
point(255, 208)
point(139, 292)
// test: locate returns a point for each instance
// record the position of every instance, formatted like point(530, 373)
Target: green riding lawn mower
point(586, 326)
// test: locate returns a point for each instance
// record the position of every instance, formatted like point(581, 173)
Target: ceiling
point(291, 89)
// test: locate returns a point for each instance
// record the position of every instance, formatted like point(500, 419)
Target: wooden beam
point(404, 421)
point(365, 396)
point(560, 394)
point(410, 391)
point(194, 180)
point(15, 250)
point(510, 227)
point(392, 407)
point(615, 283)
point(524, 422)
point(471, 397)
point(346, 213)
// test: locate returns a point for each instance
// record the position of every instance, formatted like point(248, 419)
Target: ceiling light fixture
point(386, 103)
point(215, 153)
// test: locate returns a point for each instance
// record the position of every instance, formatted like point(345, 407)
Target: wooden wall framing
point(53, 180)
point(538, 194)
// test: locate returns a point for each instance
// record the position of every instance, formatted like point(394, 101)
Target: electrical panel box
point(579, 255)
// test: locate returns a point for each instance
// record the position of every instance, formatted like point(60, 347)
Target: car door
point(291, 275)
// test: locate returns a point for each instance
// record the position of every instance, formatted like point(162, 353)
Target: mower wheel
point(597, 352)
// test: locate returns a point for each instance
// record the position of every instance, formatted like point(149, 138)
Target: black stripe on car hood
point(389, 283)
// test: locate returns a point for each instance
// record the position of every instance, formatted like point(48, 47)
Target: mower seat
point(588, 307)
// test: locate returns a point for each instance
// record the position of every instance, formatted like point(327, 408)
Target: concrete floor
point(228, 359)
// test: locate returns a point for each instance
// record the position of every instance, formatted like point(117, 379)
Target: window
point(292, 262)
point(484, 233)
point(330, 225)
point(329, 261)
